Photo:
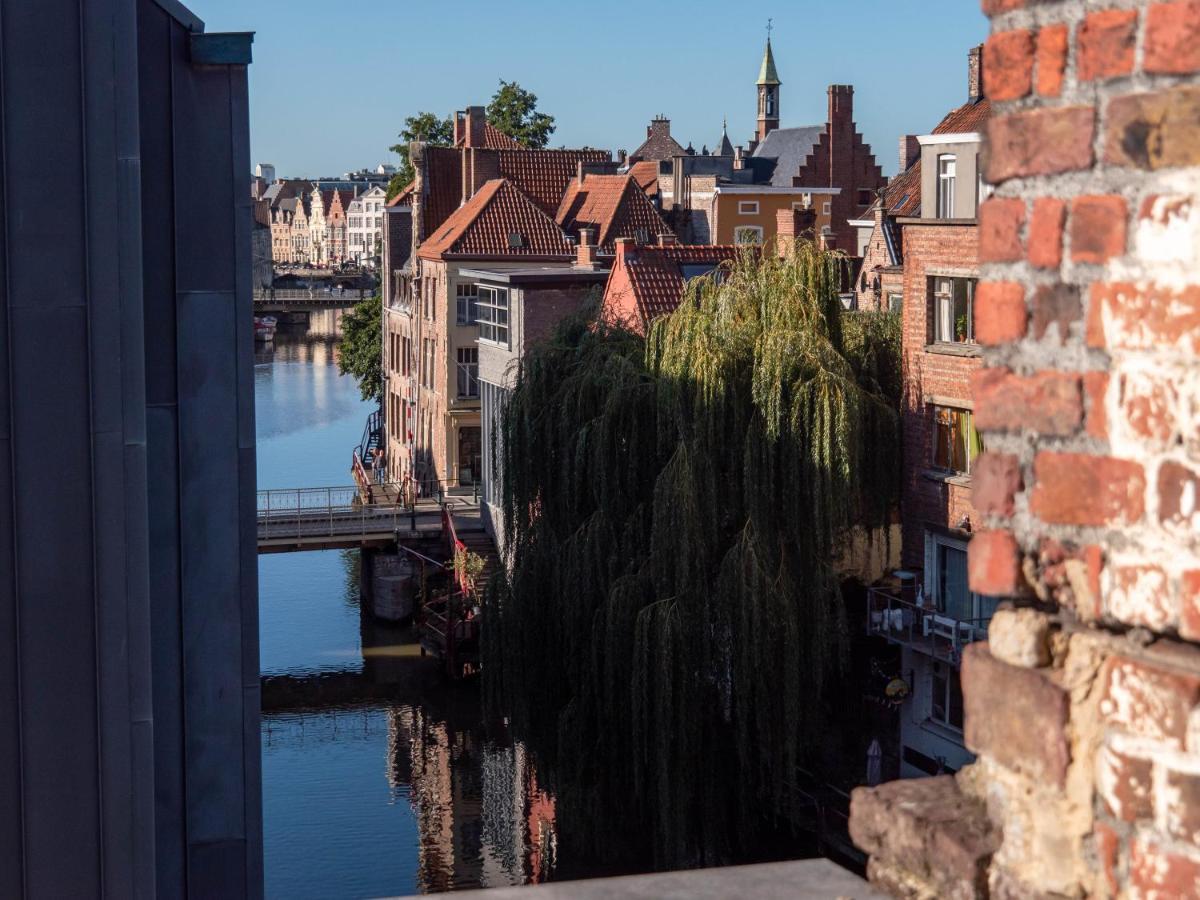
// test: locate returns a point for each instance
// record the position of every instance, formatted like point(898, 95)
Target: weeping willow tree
point(671, 622)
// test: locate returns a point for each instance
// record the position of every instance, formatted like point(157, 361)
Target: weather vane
point(769, 26)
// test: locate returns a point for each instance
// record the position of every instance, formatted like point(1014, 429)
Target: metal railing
point(325, 512)
point(923, 628)
point(309, 296)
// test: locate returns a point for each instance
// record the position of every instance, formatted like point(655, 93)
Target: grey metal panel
point(222, 49)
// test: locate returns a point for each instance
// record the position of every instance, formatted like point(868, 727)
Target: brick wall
point(1084, 704)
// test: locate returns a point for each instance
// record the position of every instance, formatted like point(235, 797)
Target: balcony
point(923, 628)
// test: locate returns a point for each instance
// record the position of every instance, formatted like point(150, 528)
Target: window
point(895, 303)
point(983, 190)
point(953, 310)
point(467, 303)
point(945, 187)
point(747, 234)
point(405, 356)
point(468, 371)
point(493, 315)
point(748, 207)
point(946, 706)
point(956, 443)
point(946, 581)
point(865, 198)
point(826, 208)
point(427, 362)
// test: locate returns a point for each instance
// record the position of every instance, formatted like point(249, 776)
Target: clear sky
point(332, 82)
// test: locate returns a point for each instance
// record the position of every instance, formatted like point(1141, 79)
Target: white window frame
point(467, 372)
point(947, 176)
point(943, 310)
point(981, 606)
point(466, 304)
point(747, 207)
point(946, 689)
point(494, 309)
point(741, 230)
point(827, 208)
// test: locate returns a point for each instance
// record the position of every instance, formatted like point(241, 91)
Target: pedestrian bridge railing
point(326, 512)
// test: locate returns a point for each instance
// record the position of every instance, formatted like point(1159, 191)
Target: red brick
point(1015, 715)
point(1179, 804)
point(1051, 59)
point(1077, 489)
point(1008, 64)
point(1179, 497)
point(1000, 313)
point(1095, 386)
point(1189, 610)
point(1058, 305)
point(1148, 700)
point(994, 564)
point(1123, 781)
point(1173, 38)
point(1127, 317)
point(1148, 407)
point(1000, 223)
point(1140, 595)
point(1154, 131)
point(1040, 142)
point(1106, 41)
point(1046, 232)
point(1108, 846)
point(1046, 402)
point(1098, 228)
point(995, 481)
point(1157, 873)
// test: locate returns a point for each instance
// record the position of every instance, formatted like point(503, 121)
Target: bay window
point(493, 315)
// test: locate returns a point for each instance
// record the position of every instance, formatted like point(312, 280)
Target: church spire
point(768, 92)
point(725, 147)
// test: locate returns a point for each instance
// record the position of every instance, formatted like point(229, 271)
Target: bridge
point(303, 300)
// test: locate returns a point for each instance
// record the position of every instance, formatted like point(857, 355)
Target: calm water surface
point(380, 798)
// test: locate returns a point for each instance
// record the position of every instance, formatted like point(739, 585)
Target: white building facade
point(364, 220)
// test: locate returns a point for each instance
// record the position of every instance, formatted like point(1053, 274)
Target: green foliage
point(671, 629)
point(361, 350)
point(424, 126)
point(513, 110)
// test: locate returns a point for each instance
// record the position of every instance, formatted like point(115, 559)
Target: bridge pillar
point(388, 585)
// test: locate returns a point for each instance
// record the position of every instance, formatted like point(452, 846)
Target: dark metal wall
point(129, 758)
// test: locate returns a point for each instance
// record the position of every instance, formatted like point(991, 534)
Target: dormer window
point(515, 240)
point(945, 187)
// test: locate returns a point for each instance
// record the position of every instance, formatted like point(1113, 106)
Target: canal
point(367, 798)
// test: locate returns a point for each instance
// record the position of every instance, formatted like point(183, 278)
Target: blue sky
point(332, 83)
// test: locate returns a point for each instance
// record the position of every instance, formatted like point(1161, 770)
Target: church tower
point(768, 95)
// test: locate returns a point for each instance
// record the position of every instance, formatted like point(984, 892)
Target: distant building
point(265, 171)
point(658, 144)
point(364, 230)
point(609, 207)
point(261, 249)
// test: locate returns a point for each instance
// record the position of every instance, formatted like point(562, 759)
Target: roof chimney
point(626, 250)
point(476, 116)
point(910, 152)
point(460, 127)
point(667, 240)
point(739, 157)
point(622, 156)
point(587, 253)
point(975, 87)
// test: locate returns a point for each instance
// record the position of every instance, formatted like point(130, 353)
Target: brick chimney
point(626, 250)
point(841, 107)
point(587, 254)
point(476, 116)
point(910, 152)
point(667, 240)
point(791, 224)
point(739, 157)
point(975, 88)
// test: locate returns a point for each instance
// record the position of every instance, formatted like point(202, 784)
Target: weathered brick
point(1046, 402)
point(1125, 782)
point(1108, 845)
point(995, 481)
point(1128, 317)
point(994, 564)
point(1140, 595)
point(1020, 636)
point(1046, 232)
point(1078, 489)
point(1157, 873)
point(1008, 64)
point(1095, 389)
point(1016, 716)
point(1148, 700)
point(1173, 37)
point(1189, 609)
point(1098, 228)
point(1056, 305)
point(1000, 313)
point(1105, 44)
point(1154, 131)
point(1000, 223)
point(1051, 58)
point(1177, 803)
point(1040, 142)
point(1179, 497)
point(1148, 407)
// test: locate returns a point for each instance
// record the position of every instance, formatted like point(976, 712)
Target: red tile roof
point(656, 278)
point(902, 195)
point(645, 173)
point(967, 118)
point(485, 225)
point(614, 206)
point(404, 197)
point(543, 174)
point(495, 139)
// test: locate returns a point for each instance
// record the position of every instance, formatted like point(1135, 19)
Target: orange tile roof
point(656, 276)
point(543, 174)
point(902, 195)
point(495, 139)
point(967, 118)
point(404, 197)
point(483, 227)
point(645, 173)
point(614, 206)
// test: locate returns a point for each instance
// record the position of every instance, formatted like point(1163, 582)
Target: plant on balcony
point(671, 625)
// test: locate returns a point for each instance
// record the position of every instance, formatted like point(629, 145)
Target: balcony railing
point(923, 628)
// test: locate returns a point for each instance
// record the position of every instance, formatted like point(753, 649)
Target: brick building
point(658, 144)
point(1083, 704)
point(609, 207)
